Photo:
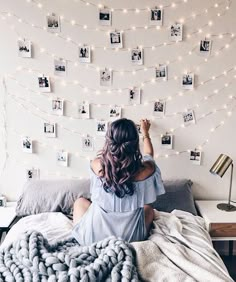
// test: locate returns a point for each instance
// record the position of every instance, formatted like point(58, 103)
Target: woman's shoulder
point(96, 166)
point(146, 171)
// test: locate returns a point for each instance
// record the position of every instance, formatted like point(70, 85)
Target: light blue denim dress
point(109, 215)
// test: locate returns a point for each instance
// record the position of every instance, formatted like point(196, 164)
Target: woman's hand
point(145, 126)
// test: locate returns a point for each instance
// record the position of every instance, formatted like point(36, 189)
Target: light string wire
point(76, 103)
point(3, 128)
point(136, 10)
point(133, 28)
point(69, 40)
point(156, 156)
point(119, 90)
point(38, 110)
point(75, 63)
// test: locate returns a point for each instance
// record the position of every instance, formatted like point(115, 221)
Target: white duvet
point(179, 249)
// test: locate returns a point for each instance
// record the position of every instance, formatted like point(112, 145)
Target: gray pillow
point(178, 196)
point(51, 196)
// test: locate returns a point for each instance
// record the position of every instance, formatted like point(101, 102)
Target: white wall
point(29, 122)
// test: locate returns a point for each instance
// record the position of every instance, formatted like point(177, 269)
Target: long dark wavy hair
point(120, 157)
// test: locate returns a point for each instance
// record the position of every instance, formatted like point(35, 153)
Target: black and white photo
point(32, 173)
point(58, 106)
point(53, 23)
point(137, 56)
point(161, 72)
point(205, 47)
point(60, 67)
point(85, 54)
point(44, 83)
point(62, 158)
point(196, 157)
point(105, 17)
point(156, 16)
point(24, 48)
point(188, 81)
point(116, 40)
point(87, 143)
point(49, 129)
point(105, 77)
point(114, 112)
point(159, 109)
point(189, 117)
point(176, 32)
point(84, 110)
point(101, 127)
point(134, 96)
point(167, 141)
point(27, 145)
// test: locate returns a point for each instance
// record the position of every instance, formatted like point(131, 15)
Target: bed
point(178, 249)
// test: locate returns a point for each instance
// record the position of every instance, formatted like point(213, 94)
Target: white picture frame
point(44, 84)
point(27, 145)
point(189, 117)
point(105, 77)
point(205, 47)
point(188, 81)
point(62, 158)
point(84, 111)
point(167, 141)
point(116, 39)
point(57, 106)
point(105, 17)
point(50, 130)
point(159, 109)
point(32, 173)
point(24, 48)
point(85, 54)
point(87, 143)
point(60, 67)
point(134, 96)
point(161, 72)
point(176, 32)
point(195, 156)
point(101, 127)
point(137, 56)
point(114, 112)
point(156, 17)
point(53, 23)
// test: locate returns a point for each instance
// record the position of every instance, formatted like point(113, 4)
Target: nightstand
point(220, 224)
point(7, 217)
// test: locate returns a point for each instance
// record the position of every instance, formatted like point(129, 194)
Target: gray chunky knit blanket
point(32, 258)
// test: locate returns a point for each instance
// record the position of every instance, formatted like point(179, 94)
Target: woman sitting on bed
point(122, 184)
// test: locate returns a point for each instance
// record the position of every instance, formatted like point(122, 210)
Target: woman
point(122, 184)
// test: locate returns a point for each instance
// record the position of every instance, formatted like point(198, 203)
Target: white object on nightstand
point(7, 216)
point(220, 224)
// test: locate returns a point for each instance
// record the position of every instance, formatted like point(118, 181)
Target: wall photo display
point(176, 32)
point(105, 77)
point(114, 112)
point(189, 117)
point(32, 173)
point(24, 48)
point(27, 145)
point(188, 81)
point(50, 130)
point(60, 67)
point(116, 39)
point(205, 47)
point(58, 107)
point(101, 127)
point(195, 157)
point(105, 17)
point(134, 96)
point(137, 56)
point(156, 16)
point(159, 109)
point(161, 72)
point(84, 110)
point(53, 23)
point(87, 144)
point(62, 158)
point(167, 141)
point(85, 54)
point(44, 84)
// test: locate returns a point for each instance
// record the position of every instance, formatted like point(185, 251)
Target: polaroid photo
point(116, 40)
point(101, 127)
point(137, 56)
point(196, 157)
point(159, 109)
point(176, 32)
point(27, 145)
point(62, 158)
point(156, 16)
point(161, 72)
point(87, 144)
point(138, 126)
point(32, 173)
point(49, 130)
point(85, 54)
point(24, 48)
point(105, 17)
point(167, 141)
point(189, 117)
point(84, 111)
point(53, 23)
point(205, 47)
point(58, 106)
point(44, 84)
point(60, 67)
point(134, 96)
point(188, 81)
point(105, 77)
point(115, 112)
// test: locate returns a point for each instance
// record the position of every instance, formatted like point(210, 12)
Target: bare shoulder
point(147, 170)
point(97, 167)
